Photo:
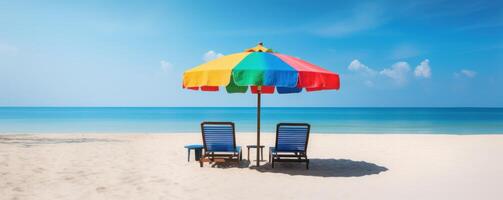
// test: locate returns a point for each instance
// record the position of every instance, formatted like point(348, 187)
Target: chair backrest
point(218, 136)
point(292, 137)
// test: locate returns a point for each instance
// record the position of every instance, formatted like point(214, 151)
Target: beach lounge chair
point(291, 143)
point(219, 141)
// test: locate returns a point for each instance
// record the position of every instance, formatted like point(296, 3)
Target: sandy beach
point(343, 166)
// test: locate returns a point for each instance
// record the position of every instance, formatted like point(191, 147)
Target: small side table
point(198, 151)
point(255, 146)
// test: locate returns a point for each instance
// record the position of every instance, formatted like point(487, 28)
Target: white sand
point(148, 166)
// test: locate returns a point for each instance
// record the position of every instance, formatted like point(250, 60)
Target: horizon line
point(250, 107)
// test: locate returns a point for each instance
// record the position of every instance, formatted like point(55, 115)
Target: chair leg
point(272, 161)
point(261, 153)
point(188, 155)
point(307, 161)
point(248, 153)
point(201, 161)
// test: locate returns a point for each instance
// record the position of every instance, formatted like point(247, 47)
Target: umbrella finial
point(259, 48)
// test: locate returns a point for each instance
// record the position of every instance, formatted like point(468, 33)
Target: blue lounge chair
point(219, 141)
point(291, 143)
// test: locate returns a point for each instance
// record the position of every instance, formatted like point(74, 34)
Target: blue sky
point(388, 53)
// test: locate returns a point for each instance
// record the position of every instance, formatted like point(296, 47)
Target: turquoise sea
point(187, 119)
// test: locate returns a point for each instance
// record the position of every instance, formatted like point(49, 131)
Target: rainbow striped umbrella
point(264, 71)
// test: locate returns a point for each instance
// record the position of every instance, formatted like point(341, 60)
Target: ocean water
point(323, 120)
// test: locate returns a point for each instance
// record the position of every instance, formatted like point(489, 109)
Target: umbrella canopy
point(260, 66)
point(264, 71)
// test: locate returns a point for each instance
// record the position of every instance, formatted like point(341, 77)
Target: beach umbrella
point(264, 72)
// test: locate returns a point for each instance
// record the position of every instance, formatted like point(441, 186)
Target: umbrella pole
point(258, 125)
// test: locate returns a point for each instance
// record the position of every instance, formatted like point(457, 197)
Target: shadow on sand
point(317, 167)
point(325, 168)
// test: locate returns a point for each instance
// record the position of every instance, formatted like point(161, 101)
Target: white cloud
point(360, 68)
point(466, 73)
point(357, 66)
point(166, 66)
point(211, 55)
point(397, 72)
point(423, 70)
